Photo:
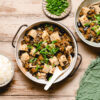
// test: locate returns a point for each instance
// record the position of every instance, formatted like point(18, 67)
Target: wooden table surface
point(14, 13)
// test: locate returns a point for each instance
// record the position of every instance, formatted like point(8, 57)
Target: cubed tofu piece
point(52, 45)
point(52, 69)
point(24, 57)
point(97, 9)
point(26, 38)
point(55, 36)
point(63, 60)
point(46, 68)
point(84, 20)
point(69, 49)
point(54, 61)
point(41, 75)
point(85, 10)
point(33, 33)
point(98, 30)
point(45, 35)
point(45, 43)
point(31, 66)
point(32, 52)
point(24, 47)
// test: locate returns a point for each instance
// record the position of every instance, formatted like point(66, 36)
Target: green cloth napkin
point(90, 84)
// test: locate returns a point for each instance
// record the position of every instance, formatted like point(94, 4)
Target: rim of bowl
point(13, 71)
point(93, 44)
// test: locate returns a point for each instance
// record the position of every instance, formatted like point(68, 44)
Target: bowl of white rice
point(6, 71)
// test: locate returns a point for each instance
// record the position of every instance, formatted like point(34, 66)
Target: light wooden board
point(14, 13)
point(35, 98)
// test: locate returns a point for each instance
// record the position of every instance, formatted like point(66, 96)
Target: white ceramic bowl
point(6, 83)
point(18, 43)
point(83, 4)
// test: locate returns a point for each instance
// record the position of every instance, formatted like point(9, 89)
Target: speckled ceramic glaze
point(29, 75)
point(85, 3)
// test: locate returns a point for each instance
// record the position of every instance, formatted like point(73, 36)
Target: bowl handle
point(17, 33)
point(73, 72)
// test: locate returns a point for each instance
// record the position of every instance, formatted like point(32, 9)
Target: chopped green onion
point(45, 41)
point(54, 42)
point(37, 77)
point(87, 24)
point(42, 61)
point(32, 60)
point(93, 28)
point(38, 46)
point(51, 28)
point(47, 25)
point(56, 7)
point(38, 67)
point(49, 78)
point(96, 29)
point(53, 65)
point(30, 46)
point(98, 32)
point(48, 65)
point(97, 18)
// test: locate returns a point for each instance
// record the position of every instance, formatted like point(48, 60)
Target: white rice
point(6, 70)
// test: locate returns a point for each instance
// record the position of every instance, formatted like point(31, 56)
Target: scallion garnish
point(32, 60)
point(56, 7)
point(54, 42)
point(38, 67)
point(29, 46)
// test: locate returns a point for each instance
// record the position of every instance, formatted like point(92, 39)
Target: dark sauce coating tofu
point(89, 23)
point(43, 48)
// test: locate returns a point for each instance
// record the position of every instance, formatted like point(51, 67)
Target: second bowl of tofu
point(87, 24)
point(43, 46)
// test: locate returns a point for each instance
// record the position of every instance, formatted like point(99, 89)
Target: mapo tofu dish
point(43, 48)
point(89, 22)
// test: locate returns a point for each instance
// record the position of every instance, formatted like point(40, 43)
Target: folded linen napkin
point(90, 84)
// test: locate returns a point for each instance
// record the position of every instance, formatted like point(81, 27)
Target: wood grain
point(14, 13)
point(68, 87)
point(35, 98)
